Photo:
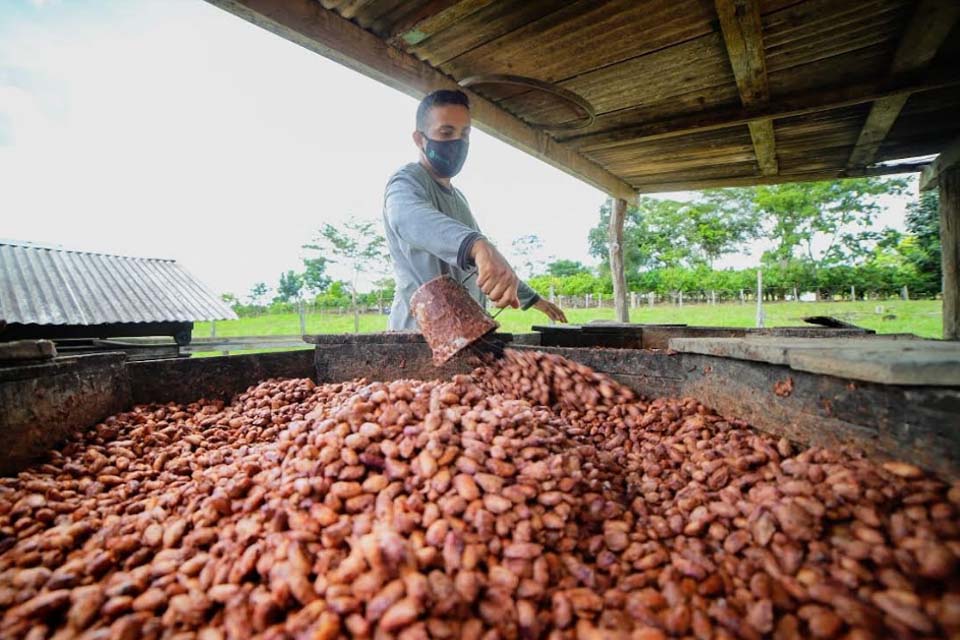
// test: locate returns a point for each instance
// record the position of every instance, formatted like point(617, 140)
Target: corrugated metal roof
point(54, 286)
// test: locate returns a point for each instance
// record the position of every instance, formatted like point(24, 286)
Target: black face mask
point(446, 156)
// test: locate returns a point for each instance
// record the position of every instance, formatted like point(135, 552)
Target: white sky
point(170, 128)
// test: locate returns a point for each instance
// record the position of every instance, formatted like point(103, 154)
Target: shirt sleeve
point(528, 297)
point(417, 222)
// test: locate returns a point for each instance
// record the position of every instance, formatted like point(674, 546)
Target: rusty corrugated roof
point(55, 286)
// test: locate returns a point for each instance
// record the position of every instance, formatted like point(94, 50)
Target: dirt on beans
point(532, 498)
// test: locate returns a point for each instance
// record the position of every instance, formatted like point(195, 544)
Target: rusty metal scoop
point(449, 318)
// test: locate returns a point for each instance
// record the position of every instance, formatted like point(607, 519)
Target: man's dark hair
point(439, 98)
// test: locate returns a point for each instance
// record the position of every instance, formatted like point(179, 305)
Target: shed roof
point(53, 286)
point(688, 93)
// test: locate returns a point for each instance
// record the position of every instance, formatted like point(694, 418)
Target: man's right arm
point(413, 217)
point(410, 213)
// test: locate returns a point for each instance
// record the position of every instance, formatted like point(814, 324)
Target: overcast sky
point(170, 128)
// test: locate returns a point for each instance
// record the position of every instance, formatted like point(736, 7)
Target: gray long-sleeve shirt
point(430, 231)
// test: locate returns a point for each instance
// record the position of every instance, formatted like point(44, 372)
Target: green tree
point(921, 247)
point(823, 222)
point(315, 278)
point(562, 268)
point(257, 294)
point(721, 221)
point(291, 284)
point(357, 244)
point(662, 233)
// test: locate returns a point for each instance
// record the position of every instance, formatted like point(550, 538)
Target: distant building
point(56, 293)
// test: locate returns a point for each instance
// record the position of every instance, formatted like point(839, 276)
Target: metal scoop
point(449, 318)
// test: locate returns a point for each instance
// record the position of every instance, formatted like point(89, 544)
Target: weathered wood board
point(27, 350)
point(888, 366)
point(888, 359)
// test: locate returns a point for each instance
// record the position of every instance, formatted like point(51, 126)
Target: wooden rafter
point(786, 107)
point(694, 184)
point(743, 36)
point(309, 24)
point(927, 30)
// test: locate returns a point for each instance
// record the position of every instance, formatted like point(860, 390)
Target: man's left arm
point(528, 297)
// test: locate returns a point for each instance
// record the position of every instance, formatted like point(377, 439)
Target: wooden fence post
point(760, 317)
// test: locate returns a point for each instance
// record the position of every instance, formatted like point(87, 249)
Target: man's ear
point(418, 139)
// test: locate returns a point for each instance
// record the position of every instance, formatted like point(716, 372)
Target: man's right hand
point(495, 275)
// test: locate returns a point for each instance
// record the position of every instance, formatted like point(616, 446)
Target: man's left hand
point(551, 310)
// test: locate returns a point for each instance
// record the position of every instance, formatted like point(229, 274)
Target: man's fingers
point(483, 277)
point(498, 290)
point(505, 295)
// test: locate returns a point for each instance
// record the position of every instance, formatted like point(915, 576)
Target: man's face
point(445, 122)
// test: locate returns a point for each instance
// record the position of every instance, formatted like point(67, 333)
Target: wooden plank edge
point(937, 369)
point(782, 178)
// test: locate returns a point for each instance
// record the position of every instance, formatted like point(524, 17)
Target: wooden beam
point(948, 158)
point(928, 28)
point(743, 36)
point(617, 218)
point(307, 23)
point(950, 250)
point(781, 178)
point(786, 107)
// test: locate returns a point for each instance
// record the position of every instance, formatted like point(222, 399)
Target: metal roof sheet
point(55, 286)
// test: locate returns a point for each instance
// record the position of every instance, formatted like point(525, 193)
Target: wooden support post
point(617, 219)
point(949, 183)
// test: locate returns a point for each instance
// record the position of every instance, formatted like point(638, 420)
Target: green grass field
point(921, 317)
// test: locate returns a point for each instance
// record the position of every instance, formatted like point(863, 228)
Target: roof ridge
point(29, 244)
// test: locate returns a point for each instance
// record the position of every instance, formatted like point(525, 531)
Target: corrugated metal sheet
point(52, 286)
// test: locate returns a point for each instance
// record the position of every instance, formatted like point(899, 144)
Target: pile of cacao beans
point(533, 498)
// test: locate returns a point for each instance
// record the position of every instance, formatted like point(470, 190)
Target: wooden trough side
point(40, 404)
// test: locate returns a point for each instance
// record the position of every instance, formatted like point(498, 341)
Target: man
point(429, 228)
